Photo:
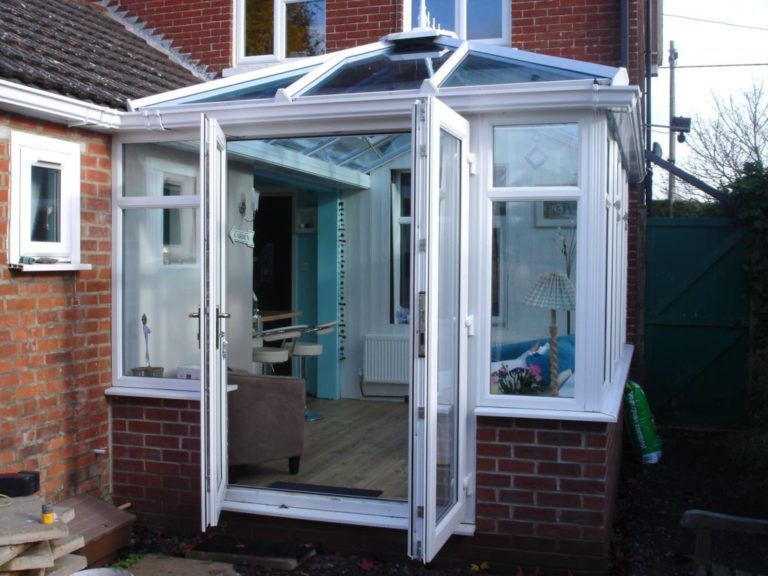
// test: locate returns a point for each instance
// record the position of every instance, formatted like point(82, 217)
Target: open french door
point(213, 342)
point(439, 407)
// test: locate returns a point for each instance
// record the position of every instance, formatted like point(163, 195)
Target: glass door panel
point(438, 417)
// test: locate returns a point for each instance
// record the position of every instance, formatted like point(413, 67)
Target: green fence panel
point(696, 322)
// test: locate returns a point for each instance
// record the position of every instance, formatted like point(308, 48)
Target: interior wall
point(368, 287)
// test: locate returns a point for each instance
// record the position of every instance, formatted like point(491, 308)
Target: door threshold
point(316, 507)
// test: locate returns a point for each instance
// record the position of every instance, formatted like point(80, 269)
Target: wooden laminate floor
point(359, 444)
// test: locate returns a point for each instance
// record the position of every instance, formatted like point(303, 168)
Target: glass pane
point(160, 289)
point(543, 155)
point(532, 338)
point(391, 69)
point(45, 199)
point(305, 28)
point(484, 19)
point(448, 323)
point(259, 27)
point(477, 70)
point(442, 13)
point(259, 89)
point(161, 169)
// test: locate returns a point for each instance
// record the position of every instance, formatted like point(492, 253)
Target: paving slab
point(8, 553)
point(20, 523)
point(63, 546)
point(67, 565)
point(159, 565)
point(36, 556)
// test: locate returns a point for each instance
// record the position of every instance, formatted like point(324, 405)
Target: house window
point(279, 29)
point(487, 20)
point(45, 200)
point(401, 248)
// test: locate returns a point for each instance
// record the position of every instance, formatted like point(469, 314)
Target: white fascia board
point(228, 82)
point(595, 70)
point(54, 107)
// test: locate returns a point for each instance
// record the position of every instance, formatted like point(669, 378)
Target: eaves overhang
point(30, 101)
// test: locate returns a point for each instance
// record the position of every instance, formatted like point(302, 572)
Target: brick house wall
point(545, 489)
point(55, 330)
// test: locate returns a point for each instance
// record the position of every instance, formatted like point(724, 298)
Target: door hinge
point(469, 484)
point(472, 161)
point(420, 513)
point(418, 550)
point(421, 413)
point(207, 483)
point(423, 150)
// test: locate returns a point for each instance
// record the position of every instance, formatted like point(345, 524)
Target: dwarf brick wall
point(55, 350)
point(156, 460)
point(544, 489)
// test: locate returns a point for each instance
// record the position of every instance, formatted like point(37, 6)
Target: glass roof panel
point(259, 89)
point(475, 70)
point(393, 68)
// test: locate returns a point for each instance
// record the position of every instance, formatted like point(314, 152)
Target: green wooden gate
point(696, 323)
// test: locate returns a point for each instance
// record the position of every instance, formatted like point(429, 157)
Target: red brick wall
point(200, 28)
point(544, 494)
point(582, 29)
point(156, 460)
point(356, 22)
point(55, 348)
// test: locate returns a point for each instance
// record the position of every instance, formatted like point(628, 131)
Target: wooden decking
point(359, 444)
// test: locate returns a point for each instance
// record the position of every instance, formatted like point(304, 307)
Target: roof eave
point(57, 108)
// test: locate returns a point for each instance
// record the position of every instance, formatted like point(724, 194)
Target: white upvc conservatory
point(458, 209)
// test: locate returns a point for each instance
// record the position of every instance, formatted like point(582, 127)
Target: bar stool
point(302, 350)
point(270, 355)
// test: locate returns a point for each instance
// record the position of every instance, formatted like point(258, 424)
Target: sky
point(707, 43)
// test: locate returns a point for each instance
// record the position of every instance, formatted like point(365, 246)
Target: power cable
point(720, 22)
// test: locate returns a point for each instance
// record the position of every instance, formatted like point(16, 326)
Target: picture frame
point(555, 214)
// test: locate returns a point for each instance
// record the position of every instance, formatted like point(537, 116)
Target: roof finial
point(424, 16)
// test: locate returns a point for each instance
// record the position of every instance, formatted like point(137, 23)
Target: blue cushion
point(566, 346)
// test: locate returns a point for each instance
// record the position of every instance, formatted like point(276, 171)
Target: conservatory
point(420, 232)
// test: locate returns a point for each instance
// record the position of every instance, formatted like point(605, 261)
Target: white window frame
point(411, 6)
point(397, 220)
point(278, 34)
point(28, 150)
point(589, 322)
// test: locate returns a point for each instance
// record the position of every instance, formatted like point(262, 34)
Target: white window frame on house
point(396, 264)
point(27, 151)
point(597, 377)
point(412, 6)
point(279, 35)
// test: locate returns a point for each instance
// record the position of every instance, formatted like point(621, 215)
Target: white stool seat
point(266, 355)
point(307, 349)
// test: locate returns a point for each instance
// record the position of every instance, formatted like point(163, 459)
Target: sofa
point(266, 420)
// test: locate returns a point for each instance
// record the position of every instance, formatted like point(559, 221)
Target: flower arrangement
point(518, 380)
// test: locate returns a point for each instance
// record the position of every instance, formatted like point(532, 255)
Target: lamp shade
point(553, 290)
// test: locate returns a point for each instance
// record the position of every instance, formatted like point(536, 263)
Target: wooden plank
point(703, 519)
point(36, 556)
point(67, 565)
point(8, 553)
point(63, 546)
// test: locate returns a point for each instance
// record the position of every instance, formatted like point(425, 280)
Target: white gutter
point(57, 108)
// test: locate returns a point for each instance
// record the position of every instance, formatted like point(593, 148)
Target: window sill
point(541, 414)
point(135, 392)
point(62, 267)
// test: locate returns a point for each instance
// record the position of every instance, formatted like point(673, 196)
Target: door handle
point(219, 317)
point(196, 315)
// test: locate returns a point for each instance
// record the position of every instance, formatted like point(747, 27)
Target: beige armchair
point(266, 419)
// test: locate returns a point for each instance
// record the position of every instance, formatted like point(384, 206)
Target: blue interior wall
point(329, 383)
point(305, 273)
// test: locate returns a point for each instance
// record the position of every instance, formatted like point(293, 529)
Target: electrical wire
point(5, 501)
point(720, 22)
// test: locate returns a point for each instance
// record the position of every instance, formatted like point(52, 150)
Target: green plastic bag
point(640, 422)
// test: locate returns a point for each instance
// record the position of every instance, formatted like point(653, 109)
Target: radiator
point(386, 359)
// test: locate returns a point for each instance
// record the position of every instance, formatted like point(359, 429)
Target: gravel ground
point(702, 469)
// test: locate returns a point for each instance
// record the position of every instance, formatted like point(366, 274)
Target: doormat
point(320, 489)
point(264, 553)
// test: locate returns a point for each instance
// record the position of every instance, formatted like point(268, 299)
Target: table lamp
point(553, 290)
